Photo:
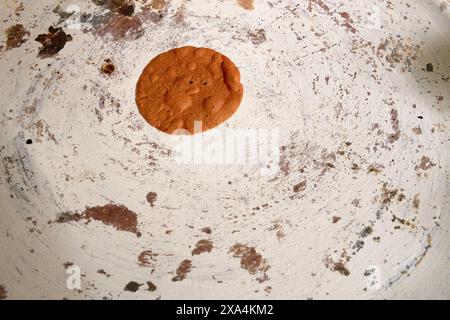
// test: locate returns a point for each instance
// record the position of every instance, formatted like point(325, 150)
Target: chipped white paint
point(339, 105)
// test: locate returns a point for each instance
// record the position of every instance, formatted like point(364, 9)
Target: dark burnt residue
point(251, 260)
point(202, 246)
point(16, 36)
point(151, 286)
point(132, 286)
point(183, 269)
point(52, 42)
point(118, 216)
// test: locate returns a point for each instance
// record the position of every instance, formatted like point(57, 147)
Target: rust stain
point(202, 246)
point(183, 269)
point(395, 126)
point(301, 186)
point(246, 4)
point(347, 22)
point(425, 163)
point(123, 27)
point(158, 4)
point(147, 258)
point(403, 221)
point(118, 216)
point(251, 260)
point(206, 230)
point(151, 198)
point(335, 219)
point(16, 36)
point(416, 201)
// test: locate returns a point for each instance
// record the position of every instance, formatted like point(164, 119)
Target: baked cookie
point(188, 84)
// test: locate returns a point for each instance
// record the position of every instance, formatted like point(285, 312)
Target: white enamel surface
point(121, 158)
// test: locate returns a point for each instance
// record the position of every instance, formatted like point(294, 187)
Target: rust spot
point(300, 186)
point(403, 221)
point(335, 219)
point(147, 258)
point(375, 168)
point(425, 163)
point(341, 268)
point(347, 22)
point(206, 230)
point(52, 42)
point(158, 4)
point(123, 28)
point(251, 260)
point(202, 246)
point(395, 126)
point(183, 269)
point(246, 4)
point(416, 201)
point(417, 130)
point(15, 36)
point(118, 216)
point(151, 198)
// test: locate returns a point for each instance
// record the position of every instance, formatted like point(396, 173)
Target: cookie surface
point(188, 84)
